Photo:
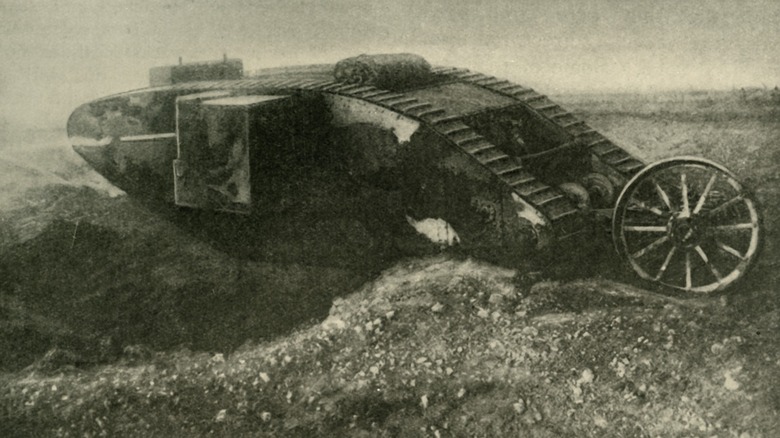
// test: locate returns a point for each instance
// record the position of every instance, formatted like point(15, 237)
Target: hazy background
point(58, 54)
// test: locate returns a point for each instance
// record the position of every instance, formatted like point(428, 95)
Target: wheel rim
point(687, 223)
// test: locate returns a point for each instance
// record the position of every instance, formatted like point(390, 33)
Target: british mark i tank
point(483, 160)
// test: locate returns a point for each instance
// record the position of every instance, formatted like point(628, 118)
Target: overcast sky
point(59, 54)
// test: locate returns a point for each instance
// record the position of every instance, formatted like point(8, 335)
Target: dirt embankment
point(445, 347)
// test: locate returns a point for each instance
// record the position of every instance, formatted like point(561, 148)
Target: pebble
point(586, 378)
point(221, 415)
point(424, 401)
point(730, 383)
point(436, 308)
point(620, 369)
point(529, 330)
point(483, 313)
point(496, 299)
point(332, 323)
point(576, 394)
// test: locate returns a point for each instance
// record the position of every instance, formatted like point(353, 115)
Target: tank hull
point(479, 152)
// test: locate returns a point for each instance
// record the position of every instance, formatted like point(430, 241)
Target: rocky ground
point(119, 321)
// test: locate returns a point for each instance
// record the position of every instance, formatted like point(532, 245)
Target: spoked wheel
point(687, 223)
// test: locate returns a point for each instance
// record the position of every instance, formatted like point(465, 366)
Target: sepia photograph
point(391, 218)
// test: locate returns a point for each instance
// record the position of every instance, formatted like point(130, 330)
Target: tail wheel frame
point(687, 223)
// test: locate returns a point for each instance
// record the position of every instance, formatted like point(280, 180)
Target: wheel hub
point(685, 231)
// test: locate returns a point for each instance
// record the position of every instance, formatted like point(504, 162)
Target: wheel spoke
point(725, 205)
point(650, 247)
point(729, 250)
point(662, 194)
point(687, 271)
point(707, 262)
point(686, 209)
point(646, 228)
point(704, 194)
point(731, 227)
point(644, 207)
point(666, 263)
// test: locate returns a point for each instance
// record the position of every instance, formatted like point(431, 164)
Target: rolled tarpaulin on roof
point(391, 71)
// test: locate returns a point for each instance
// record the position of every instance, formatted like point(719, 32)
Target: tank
point(467, 158)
